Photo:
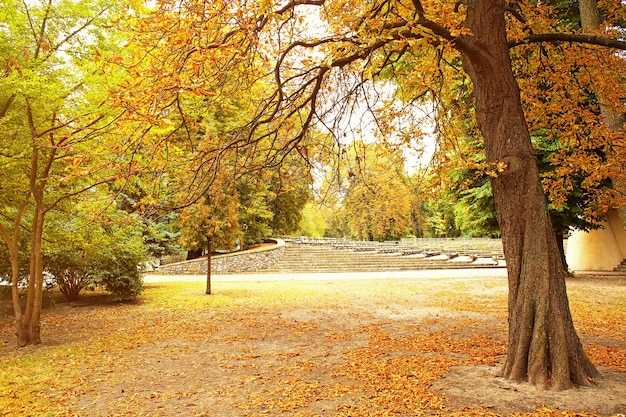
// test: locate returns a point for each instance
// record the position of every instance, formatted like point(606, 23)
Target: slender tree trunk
point(560, 243)
point(34, 294)
point(34, 301)
point(22, 339)
point(208, 266)
point(543, 347)
point(12, 243)
point(29, 327)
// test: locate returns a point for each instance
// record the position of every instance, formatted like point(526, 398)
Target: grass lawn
point(379, 347)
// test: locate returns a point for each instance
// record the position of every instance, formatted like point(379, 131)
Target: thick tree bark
point(544, 348)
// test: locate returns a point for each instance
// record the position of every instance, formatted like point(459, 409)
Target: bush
point(118, 270)
point(104, 255)
point(115, 269)
point(71, 272)
point(121, 276)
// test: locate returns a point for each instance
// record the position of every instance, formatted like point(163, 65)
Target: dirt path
point(431, 274)
point(324, 347)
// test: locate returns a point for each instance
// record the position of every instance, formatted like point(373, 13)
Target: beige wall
point(597, 250)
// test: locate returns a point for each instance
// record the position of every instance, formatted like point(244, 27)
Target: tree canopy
point(227, 102)
point(58, 139)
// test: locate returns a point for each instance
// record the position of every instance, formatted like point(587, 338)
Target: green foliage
point(377, 202)
point(287, 210)
point(71, 268)
point(159, 230)
point(468, 186)
point(122, 276)
point(119, 262)
point(81, 253)
point(337, 223)
point(248, 211)
point(312, 222)
point(59, 138)
point(568, 203)
point(254, 214)
point(475, 212)
point(440, 219)
point(160, 236)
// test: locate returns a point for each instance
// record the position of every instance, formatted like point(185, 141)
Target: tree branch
point(570, 38)
point(39, 38)
point(419, 8)
point(7, 105)
point(293, 3)
point(72, 34)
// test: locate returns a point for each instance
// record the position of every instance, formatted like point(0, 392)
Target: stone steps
point(310, 258)
point(621, 267)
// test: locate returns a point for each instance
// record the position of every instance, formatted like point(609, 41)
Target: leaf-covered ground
point(385, 347)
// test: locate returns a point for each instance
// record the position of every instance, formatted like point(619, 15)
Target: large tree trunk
point(544, 348)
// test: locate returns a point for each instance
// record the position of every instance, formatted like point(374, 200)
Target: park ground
point(329, 346)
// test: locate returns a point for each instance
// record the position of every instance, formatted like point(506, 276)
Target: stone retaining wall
point(248, 261)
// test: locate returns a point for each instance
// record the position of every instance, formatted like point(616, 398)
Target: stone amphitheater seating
point(338, 255)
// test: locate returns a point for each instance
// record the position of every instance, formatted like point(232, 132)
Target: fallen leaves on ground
point(342, 348)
